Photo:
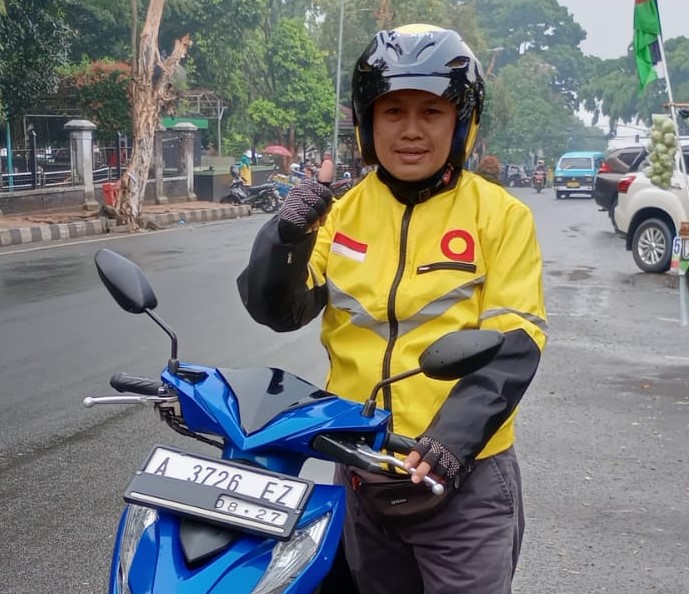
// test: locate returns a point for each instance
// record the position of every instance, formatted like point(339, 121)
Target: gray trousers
point(470, 547)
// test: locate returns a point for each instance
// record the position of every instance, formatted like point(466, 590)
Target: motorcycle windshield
point(264, 393)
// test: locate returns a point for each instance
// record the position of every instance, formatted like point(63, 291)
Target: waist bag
point(395, 500)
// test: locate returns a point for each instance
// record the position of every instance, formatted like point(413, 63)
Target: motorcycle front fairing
point(158, 563)
point(268, 415)
point(269, 418)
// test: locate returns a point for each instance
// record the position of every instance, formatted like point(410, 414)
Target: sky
point(609, 23)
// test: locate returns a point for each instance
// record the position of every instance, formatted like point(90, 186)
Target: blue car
point(575, 172)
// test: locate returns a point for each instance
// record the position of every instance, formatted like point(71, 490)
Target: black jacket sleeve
point(483, 400)
point(273, 285)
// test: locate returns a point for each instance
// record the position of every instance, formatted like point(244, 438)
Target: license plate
point(572, 184)
point(220, 491)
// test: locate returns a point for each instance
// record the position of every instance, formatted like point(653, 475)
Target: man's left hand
point(429, 456)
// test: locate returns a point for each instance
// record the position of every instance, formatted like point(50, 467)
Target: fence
point(52, 166)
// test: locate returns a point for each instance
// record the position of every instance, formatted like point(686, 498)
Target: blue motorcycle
point(246, 522)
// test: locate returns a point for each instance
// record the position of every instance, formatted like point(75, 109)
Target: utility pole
point(337, 89)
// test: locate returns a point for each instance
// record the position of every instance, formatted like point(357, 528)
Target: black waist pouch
point(389, 499)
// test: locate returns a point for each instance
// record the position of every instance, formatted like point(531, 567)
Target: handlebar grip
point(137, 385)
point(399, 443)
point(342, 452)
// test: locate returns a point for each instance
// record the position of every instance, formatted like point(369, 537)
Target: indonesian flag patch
point(348, 247)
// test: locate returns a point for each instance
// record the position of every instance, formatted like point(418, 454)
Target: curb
point(101, 226)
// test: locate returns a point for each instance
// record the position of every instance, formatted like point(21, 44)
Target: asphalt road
point(602, 433)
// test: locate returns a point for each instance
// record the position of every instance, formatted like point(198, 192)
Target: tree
point(539, 120)
point(612, 90)
point(33, 45)
point(151, 92)
point(298, 100)
point(101, 31)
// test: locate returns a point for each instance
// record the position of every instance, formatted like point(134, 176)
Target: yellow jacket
point(391, 279)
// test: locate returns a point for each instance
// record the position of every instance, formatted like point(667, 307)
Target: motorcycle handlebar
point(399, 443)
point(346, 452)
point(343, 452)
point(136, 385)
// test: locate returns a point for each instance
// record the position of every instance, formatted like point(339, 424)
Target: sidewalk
point(65, 224)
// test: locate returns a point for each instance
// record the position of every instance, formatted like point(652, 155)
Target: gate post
point(187, 133)
point(81, 157)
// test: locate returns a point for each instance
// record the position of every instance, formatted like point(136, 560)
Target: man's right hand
point(304, 210)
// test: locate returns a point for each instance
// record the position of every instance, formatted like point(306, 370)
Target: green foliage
point(539, 120)
point(274, 64)
point(612, 92)
point(101, 90)
point(102, 29)
point(298, 97)
point(33, 44)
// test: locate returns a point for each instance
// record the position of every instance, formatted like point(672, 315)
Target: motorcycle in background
point(265, 197)
point(538, 180)
point(342, 186)
point(246, 522)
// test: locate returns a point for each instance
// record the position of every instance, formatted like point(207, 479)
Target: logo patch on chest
point(458, 245)
point(348, 247)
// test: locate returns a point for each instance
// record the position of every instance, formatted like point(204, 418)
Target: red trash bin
point(111, 193)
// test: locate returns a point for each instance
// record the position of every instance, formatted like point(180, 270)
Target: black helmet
point(424, 58)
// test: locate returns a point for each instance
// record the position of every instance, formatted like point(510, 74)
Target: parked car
point(616, 164)
point(515, 176)
point(648, 217)
point(574, 173)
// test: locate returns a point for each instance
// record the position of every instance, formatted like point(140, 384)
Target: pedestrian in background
point(244, 169)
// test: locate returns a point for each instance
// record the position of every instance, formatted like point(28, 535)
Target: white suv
point(648, 217)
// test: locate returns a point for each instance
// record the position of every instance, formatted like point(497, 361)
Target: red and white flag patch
point(348, 247)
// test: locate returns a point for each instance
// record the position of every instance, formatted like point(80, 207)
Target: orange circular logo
point(458, 245)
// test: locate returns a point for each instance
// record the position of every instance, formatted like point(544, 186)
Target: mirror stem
point(370, 404)
point(173, 364)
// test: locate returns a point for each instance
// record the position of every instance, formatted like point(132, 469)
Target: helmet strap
point(416, 192)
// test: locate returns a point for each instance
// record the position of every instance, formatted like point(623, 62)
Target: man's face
point(412, 133)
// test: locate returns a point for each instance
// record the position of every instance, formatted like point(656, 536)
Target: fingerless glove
point(303, 206)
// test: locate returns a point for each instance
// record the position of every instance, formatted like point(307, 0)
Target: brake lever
point(436, 487)
point(90, 401)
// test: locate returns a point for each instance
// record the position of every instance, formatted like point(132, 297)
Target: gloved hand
point(429, 456)
point(303, 210)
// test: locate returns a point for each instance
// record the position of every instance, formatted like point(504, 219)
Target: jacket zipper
point(446, 266)
point(392, 318)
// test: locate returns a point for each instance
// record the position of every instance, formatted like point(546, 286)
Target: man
point(415, 250)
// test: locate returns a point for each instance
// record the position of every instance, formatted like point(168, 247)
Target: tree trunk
point(151, 93)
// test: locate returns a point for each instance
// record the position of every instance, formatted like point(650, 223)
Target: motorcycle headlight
point(290, 557)
point(138, 519)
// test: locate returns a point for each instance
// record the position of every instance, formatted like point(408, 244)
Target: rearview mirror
point(125, 281)
point(457, 354)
